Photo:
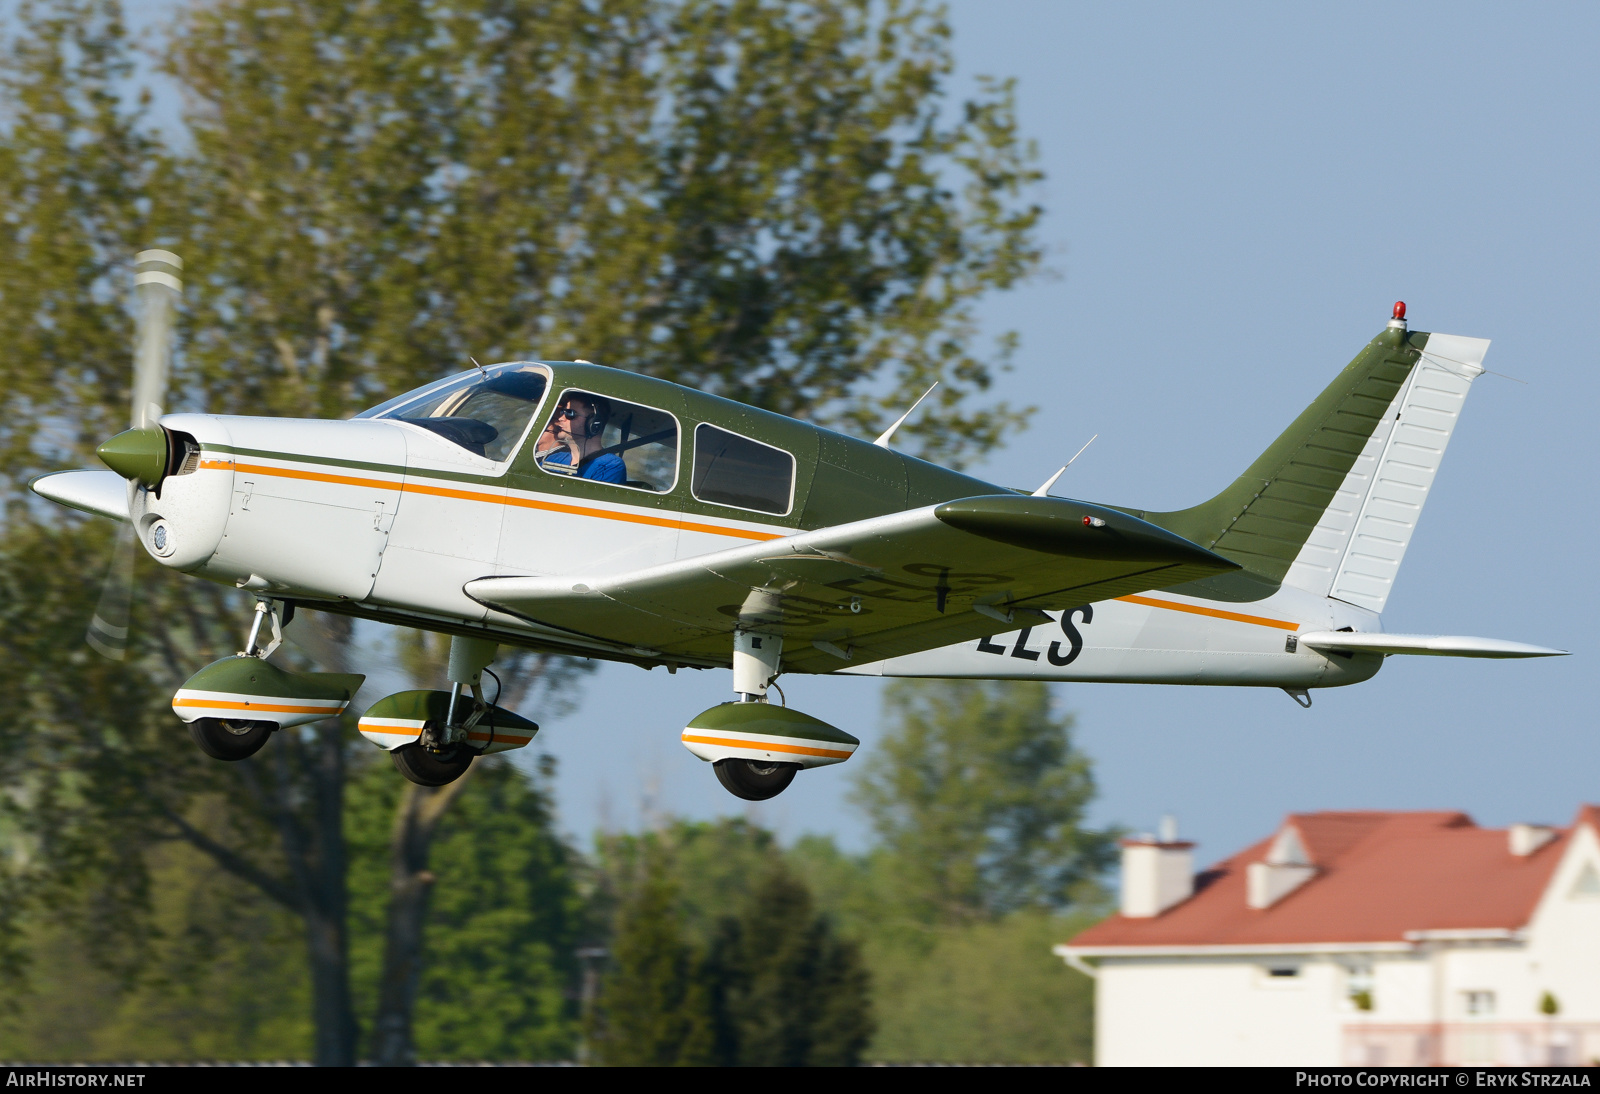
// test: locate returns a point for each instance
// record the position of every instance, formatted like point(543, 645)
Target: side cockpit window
point(591, 436)
point(734, 470)
point(486, 411)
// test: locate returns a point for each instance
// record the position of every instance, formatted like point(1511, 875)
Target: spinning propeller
point(140, 454)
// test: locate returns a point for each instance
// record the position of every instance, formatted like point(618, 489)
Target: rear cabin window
point(591, 436)
point(734, 470)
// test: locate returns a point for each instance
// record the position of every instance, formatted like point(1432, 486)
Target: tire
point(753, 780)
point(432, 768)
point(230, 739)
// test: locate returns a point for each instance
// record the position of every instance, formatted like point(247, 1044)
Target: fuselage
point(384, 518)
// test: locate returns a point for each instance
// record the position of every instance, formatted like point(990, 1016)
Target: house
point(1355, 938)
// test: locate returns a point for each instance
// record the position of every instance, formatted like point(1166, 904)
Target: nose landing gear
point(233, 705)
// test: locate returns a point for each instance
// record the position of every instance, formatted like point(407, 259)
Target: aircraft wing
point(860, 592)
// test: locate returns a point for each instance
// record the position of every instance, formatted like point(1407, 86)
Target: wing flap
point(876, 588)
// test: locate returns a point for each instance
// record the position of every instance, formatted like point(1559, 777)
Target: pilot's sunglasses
point(570, 414)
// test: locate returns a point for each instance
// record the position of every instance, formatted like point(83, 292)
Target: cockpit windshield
point(486, 411)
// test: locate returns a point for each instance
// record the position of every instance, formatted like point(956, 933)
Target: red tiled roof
point(1379, 876)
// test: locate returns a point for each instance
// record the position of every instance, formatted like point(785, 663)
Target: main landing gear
point(230, 738)
point(432, 767)
point(753, 780)
point(756, 748)
point(443, 751)
point(433, 736)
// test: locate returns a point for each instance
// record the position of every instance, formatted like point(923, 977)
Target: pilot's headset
point(599, 416)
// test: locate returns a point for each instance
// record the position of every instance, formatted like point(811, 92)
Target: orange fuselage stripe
point(229, 704)
point(766, 746)
point(499, 734)
point(473, 495)
point(660, 522)
point(1215, 613)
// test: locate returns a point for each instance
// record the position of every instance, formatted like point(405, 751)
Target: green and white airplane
point(570, 507)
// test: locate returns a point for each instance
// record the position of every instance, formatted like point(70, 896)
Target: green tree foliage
point(974, 991)
point(76, 172)
point(225, 979)
point(504, 918)
point(982, 863)
point(656, 1007)
point(770, 200)
point(720, 956)
point(759, 199)
point(988, 992)
point(977, 796)
point(712, 864)
point(789, 992)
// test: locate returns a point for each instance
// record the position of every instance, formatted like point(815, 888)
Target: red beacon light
point(1399, 309)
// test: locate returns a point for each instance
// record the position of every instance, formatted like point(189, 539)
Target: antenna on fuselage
point(477, 366)
point(1044, 491)
point(883, 441)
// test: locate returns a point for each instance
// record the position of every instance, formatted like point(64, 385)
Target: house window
point(734, 470)
point(1283, 972)
point(1358, 986)
point(1479, 1004)
point(1587, 887)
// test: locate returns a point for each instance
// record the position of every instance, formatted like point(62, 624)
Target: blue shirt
point(607, 467)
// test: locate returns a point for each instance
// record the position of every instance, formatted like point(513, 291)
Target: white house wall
point(1402, 990)
point(1227, 1011)
point(1564, 935)
point(1218, 1012)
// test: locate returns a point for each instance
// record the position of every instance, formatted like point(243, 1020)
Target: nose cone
point(137, 454)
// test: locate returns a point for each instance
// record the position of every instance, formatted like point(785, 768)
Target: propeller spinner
point(140, 453)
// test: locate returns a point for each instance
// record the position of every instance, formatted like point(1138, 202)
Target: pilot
point(579, 422)
point(548, 442)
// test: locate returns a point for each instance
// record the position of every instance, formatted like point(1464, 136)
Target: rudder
point(1356, 548)
point(1331, 505)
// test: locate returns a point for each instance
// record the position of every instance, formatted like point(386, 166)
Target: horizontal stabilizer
point(1434, 645)
point(103, 493)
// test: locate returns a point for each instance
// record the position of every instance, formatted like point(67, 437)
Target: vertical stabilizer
point(1265, 517)
point(1357, 546)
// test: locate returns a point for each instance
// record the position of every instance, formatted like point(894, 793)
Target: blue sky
point(1236, 194)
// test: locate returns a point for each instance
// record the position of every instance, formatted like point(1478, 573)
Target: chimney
point(1286, 869)
point(1525, 839)
point(1156, 872)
